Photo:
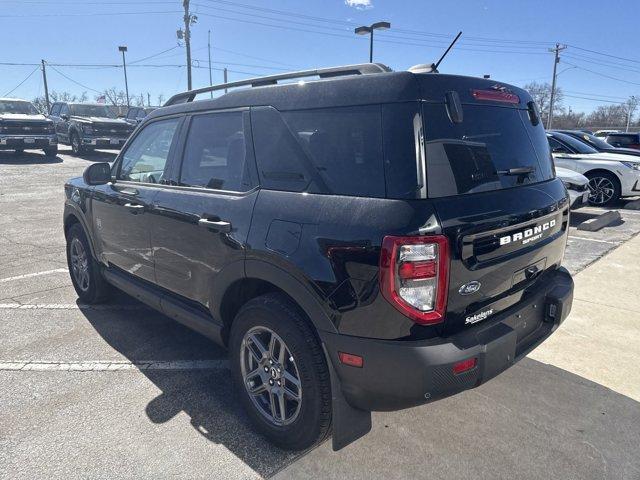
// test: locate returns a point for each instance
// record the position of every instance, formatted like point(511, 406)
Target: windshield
point(592, 140)
point(491, 149)
point(17, 106)
point(574, 143)
point(91, 111)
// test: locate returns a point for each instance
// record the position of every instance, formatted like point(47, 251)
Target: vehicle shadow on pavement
point(205, 395)
point(26, 158)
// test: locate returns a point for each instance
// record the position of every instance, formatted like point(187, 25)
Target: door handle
point(216, 225)
point(134, 208)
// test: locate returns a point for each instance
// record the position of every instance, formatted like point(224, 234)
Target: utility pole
point(631, 106)
point(556, 61)
point(148, 99)
point(187, 40)
point(123, 49)
point(46, 87)
point(209, 46)
point(225, 77)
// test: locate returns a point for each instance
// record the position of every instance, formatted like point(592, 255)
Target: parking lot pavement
point(120, 391)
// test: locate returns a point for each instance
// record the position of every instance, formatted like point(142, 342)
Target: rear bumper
point(9, 142)
point(578, 199)
point(401, 374)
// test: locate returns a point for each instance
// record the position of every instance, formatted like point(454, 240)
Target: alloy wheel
point(79, 264)
point(270, 376)
point(601, 190)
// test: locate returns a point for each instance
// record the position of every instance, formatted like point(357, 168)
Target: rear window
point(478, 154)
point(623, 139)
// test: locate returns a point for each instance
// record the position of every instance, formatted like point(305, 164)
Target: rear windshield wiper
point(516, 172)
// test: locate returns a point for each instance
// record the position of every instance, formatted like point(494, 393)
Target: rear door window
point(479, 153)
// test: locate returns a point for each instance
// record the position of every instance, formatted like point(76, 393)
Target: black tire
point(95, 289)
point(604, 188)
point(313, 421)
point(51, 151)
point(19, 151)
point(76, 143)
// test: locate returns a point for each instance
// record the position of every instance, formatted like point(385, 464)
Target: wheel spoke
point(289, 378)
point(272, 402)
point(283, 405)
point(273, 341)
point(291, 394)
point(256, 348)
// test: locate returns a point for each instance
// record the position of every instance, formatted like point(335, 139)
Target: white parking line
point(573, 237)
point(113, 366)
point(68, 306)
point(36, 274)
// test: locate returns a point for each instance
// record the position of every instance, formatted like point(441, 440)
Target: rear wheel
point(76, 144)
point(85, 272)
point(51, 151)
point(604, 188)
point(281, 373)
point(19, 151)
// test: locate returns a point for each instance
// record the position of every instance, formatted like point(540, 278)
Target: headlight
point(87, 129)
point(50, 127)
point(632, 165)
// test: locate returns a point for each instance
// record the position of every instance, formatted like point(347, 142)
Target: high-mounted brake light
point(414, 276)
point(495, 96)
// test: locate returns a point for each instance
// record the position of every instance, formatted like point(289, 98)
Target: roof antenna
point(433, 68)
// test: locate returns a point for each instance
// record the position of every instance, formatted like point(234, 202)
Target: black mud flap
point(349, 424)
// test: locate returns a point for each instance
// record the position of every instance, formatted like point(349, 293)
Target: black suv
point(87, 126)
point(135, 115)
point(624, 140)
point(367, 240)
point(22, 126)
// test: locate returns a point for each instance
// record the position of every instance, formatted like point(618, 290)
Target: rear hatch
point(490, 175)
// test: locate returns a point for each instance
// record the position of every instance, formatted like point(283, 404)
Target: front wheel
point(604, 188)
point(281, 373)
point(76, 144)
point(51, 151)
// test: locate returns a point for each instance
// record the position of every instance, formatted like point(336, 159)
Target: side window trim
point(249, 157)
point(117, 164)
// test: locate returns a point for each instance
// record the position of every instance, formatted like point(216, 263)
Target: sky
point(508, 39)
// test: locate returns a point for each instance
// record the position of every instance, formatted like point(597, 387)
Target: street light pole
point(209, 46)
point(123, 49)
point(364, 30)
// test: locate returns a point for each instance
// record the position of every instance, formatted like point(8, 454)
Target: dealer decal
point(529, 235)
point(478, 317)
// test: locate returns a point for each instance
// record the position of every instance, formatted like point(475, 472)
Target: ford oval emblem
point(469, 288)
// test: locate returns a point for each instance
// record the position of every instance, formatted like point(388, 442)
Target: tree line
point(613, 115)
point(110, 96)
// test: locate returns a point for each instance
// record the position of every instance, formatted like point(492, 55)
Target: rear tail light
point(414, 276)
point(495, 96)
point(465, 365)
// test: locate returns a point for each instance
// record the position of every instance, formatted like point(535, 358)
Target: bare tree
point(608, 116)
point(55, 96)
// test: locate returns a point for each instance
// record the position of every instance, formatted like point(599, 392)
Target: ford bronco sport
point(359, 239)
point(22, 126)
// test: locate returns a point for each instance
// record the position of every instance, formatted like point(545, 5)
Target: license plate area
point(29, 140)
point(113, 141)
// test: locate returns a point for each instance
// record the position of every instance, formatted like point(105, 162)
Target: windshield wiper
point(516, 172)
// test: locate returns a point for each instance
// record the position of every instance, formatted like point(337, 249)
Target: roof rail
point(357, 69)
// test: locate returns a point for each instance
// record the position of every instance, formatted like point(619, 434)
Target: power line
point(602, 74)
point(605, 54)
point(88, 14)
point(593, 99)
point(18, 86)
point(154, 55)
point(72, 80)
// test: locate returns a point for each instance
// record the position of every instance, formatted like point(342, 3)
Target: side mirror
point(97, 174)
point(64, 116)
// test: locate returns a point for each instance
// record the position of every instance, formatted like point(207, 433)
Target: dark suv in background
point(624, 140)
point(87, 126)
point(367, 240)
point(22, 127)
